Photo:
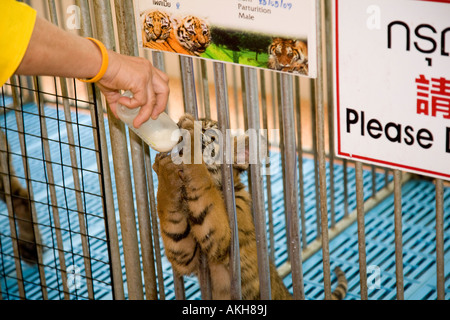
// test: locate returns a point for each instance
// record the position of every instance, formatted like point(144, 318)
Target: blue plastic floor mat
point(418, 223)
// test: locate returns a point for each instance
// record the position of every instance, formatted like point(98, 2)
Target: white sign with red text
point(392, 69)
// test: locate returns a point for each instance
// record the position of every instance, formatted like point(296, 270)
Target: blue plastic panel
point(418, 224)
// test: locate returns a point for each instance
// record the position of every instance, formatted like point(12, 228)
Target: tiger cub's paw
point(186, 122)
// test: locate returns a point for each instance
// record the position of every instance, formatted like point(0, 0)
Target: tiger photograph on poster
point(188, 35)
point(288, 55)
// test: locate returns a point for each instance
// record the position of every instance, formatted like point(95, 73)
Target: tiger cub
point(20, 203)
point(193, 218)
point(193, 34)
point(156, 26)
point(288, 55)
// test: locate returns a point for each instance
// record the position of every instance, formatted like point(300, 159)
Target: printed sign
point(273, 34)
point(392, 72)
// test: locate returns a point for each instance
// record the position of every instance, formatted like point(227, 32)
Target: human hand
point(148, 84)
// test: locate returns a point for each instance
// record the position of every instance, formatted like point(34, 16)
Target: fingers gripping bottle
point(161, 134)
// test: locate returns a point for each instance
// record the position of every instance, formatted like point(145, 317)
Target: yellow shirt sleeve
point(16, 26)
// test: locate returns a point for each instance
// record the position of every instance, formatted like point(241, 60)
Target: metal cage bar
point(440, 274)
point(20, 126)
point(279, 103)
point(51, 181)
point(103, 163)
point(6, 177)
point(75, 173)
point(191, 106)
point(330, 101)
point(300, 160)
point(398, 235)
point(361, 230)
point(227, 179)
point(259, 216)
point(321, 152)
point(204, 86)
point(313, 97)
point(265, 125)
point(291, 186)
point(158, 61)
point(128, 45)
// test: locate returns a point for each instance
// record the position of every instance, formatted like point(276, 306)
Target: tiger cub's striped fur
point(193, 217)
point(20, 204)
point(288, 55)
point(156, 26)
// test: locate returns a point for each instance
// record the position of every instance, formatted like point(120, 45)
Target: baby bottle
point(161, 134)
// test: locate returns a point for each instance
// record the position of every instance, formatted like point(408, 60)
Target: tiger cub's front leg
point(207, 214)
point(180, 245)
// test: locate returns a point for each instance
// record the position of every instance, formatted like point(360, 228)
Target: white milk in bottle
point(161, 134)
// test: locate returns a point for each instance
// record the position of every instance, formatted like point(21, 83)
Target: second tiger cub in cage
point(193, 218)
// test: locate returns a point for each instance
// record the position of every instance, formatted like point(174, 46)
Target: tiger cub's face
point(285, 53)
point(194, 34)
point(156, 26)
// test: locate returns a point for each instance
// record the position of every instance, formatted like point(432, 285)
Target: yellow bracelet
point(105, 61)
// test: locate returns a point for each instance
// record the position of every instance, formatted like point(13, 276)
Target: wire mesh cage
point(51, 163)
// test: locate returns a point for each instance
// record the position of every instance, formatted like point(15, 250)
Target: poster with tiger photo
point(271, 34)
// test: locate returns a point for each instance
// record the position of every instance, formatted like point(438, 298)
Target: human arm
point(54, 52)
